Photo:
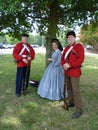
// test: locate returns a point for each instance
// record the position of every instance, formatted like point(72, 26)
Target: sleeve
point(63, 58)
point(57, 62)
point(32, 53)
point(80, 56)
point(16, 52)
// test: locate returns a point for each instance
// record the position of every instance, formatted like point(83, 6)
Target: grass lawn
point(34, 113)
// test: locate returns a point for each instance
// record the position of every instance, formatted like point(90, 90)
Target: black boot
point(70, 104)
point(77, 114)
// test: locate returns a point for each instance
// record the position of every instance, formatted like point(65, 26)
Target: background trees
point(89, 34)
point(33, 39)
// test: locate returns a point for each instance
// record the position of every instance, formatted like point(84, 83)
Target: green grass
point(34, 113)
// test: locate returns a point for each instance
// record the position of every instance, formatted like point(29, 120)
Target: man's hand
point(66, 66)
point(25, 61)
point(29, 58)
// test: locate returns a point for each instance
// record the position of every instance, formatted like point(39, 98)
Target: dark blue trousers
point(21, 77)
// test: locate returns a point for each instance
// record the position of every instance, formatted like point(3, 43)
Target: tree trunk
point(52, 28)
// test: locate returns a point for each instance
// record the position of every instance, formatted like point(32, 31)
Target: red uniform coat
point(75, 59)
point(19, 58)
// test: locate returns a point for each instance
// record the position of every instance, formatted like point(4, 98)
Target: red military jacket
point(19, 57)
point(75, 59)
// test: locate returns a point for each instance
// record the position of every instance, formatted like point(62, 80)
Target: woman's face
point(54, 46)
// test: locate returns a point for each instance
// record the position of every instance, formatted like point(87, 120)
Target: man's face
point(71, 39)
point(24, 40)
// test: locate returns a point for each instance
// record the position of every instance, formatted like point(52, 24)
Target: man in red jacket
point(23, 54)
point(72, 59)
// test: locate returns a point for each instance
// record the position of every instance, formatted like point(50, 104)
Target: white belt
point(24, 56)
point(68, 51)
point(24, 47)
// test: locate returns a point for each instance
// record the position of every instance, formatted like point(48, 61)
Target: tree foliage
point(46, 16)
point(89, 34)
point(21, 16)
point(33, 39)
point(2, 39)
point(36, 39)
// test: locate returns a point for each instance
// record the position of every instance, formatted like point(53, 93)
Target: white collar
point(56, 50)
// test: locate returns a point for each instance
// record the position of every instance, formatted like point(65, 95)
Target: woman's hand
point(50, 59)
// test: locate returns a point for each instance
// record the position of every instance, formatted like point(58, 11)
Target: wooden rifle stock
point(65, 99)
point(25, 82)
point(26, 77)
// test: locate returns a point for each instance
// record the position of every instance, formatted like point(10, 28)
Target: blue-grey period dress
point(52, 82)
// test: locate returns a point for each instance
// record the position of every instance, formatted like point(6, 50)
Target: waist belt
point(24, 56)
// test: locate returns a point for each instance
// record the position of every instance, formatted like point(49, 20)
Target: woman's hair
point(54, 40)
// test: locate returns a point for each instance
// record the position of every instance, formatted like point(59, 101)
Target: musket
point(25, 81)
point(65, 97)
point(65, 82)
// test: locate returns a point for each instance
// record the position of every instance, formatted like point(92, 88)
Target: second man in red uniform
point(71, 61)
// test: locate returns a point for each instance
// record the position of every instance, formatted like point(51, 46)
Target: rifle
point(26, 77)
point(25, 81)
point(65, 99)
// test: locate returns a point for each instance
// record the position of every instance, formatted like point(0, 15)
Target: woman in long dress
point(52, 82)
